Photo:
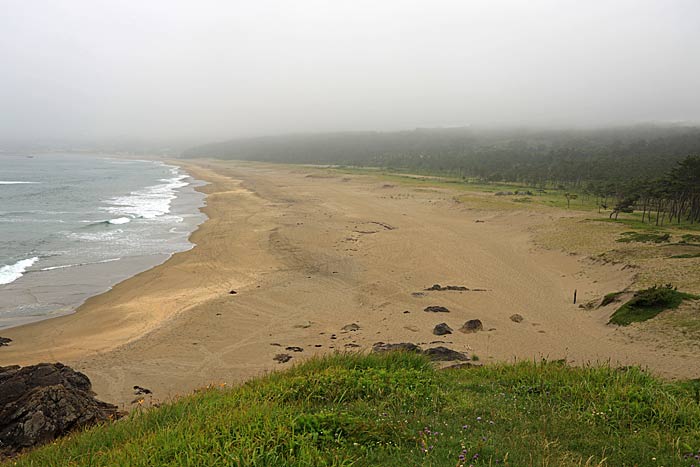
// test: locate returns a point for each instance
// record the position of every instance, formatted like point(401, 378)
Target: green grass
point(690, 238)
point(646, 237)
point(397, 410)
point(551, 197)
point(686, 255)
point(610, 298)
point(648, 303)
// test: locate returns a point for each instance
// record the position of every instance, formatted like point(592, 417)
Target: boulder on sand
point(472, 325)
point(436, 309)
point(440, 354)
point(516, 318)
point(442, 329)
point(441, 288)
point(39, 403)
point(380, 347)
point(5, 341)
point(443, 354)
point(282, 358)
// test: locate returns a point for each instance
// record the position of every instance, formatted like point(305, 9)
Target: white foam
point(10, 182)
point(52, 268)
point(12, 272)
point(149, 203)
point(108, 236)
point(119, 220)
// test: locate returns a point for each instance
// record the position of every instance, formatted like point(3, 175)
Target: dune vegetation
point(398, 410)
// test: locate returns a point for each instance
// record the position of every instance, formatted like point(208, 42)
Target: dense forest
point(653, 169)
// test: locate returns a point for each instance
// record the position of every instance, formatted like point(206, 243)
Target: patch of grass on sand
point(611, 298)
point(686, 255)
point(690, 238)
point(648, 303)
point(628, 237)
point(397, 410)
point(550, 197)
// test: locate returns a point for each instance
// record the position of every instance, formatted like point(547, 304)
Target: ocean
point(72, 226)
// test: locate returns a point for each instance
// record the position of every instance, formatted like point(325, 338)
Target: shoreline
point(90, 279)
point(308, 255)
point(87, 303)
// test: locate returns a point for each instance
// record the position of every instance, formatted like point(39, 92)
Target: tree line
point(673, 197)
point(621, 167)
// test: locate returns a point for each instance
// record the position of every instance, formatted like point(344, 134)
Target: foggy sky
point(206, 70)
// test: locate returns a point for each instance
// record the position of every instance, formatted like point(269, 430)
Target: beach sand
point(307, 253)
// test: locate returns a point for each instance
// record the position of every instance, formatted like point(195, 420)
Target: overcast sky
point(206, 70)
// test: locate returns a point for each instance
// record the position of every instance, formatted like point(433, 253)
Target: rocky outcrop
point(41, 402)
point(5, 341)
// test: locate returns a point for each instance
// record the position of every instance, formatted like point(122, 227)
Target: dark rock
point(435, 353)
point(318, 345)
point(282, 358)
point(405, 312)
point(440, 288)
point(351, 327)
point(5, 341)
point(436, 309)
point(442, 329)
point(294, 349)
point(276, 344)
point(138, 390)
point(418, 294)
point(472, 325)
point(516, 318)
point(400, 347)
point(352, 344)
point(233, 292)
point(41, 402)
point(443, 354)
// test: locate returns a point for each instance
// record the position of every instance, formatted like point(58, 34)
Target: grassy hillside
point(397, 410)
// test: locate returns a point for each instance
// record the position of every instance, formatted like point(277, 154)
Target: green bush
point(648, 303)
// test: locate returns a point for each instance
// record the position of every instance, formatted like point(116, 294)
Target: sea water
point(71, 226)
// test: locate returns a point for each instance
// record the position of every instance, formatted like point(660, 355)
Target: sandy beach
point(309, 252)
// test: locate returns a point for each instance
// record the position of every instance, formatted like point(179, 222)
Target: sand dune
point(308, 254)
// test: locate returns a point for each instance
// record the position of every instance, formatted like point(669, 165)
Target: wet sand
point(308, 253)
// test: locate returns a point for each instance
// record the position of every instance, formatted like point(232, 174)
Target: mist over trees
point(647, 168)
